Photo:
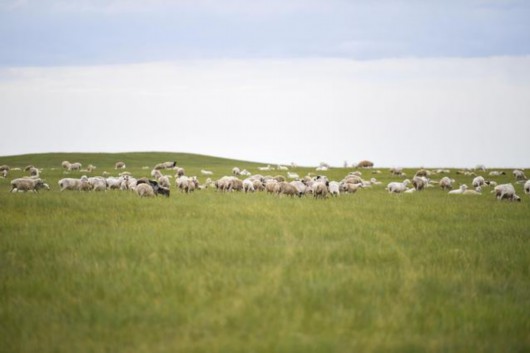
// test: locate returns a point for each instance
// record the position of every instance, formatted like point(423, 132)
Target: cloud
point(407, 112)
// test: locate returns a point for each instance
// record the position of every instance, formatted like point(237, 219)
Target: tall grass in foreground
point(211, 272)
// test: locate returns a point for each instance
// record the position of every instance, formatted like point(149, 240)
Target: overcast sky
point(402, 83)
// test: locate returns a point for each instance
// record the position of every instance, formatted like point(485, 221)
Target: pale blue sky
point(403, 83)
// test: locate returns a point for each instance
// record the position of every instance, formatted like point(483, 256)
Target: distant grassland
point(234, 272)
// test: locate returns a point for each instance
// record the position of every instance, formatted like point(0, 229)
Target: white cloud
point(409, 112)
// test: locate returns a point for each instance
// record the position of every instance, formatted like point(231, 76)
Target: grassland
point(211, 272)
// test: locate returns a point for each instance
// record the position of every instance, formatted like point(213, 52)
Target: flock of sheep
point(319, 186)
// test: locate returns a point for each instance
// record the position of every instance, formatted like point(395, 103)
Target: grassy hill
point(235, 272)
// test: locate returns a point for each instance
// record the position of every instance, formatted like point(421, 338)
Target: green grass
point(212, 272)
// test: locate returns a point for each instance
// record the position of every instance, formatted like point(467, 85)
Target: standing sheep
point(28, 184)
point(506, 191)
point(145, 190)
point(527, 187)
point(446, 183)
point(397, 187)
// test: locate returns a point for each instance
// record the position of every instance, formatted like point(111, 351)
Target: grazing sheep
point(145, 190)
point(163, 181)
point(81, 184)
point(4, 173)
point(34, 172)
point(365, 164)
point(74, 166)
point(461, 190)
point(397, 187)
point(258, 185)
point(28, 184)
point(301, 188)
point(206, 172)
point(245, 172)
point(114, 183)
point(320, 190)
point(248, 185)
point(180, 172)
point(267, 168)
point(120, 165)
point(350, 188)
point(519, 174)
point(334, 188)
point(479, 181)
point(155, 173)
point(158, 190)
point(396, 171)
point(506, 191)
point(66, 165)
point(284, 188)
point(236, 171)
point(98, 183)
point(4, 168)
point(527, 187)
point(446, 183)
point(423, 173)
point(419, 182)
point(282, 167)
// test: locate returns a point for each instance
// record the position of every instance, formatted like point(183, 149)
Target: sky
point(401, 83)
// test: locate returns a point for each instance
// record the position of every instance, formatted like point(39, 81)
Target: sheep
point(397, 187)
point(300, 187)
point(34, 172)
point(505, 191)
point(322, 168)
point(423, 173)
point(287, 189)
point(66, 165)
point(98, 183)
point(479, 182)
point(187, 184)
point(292, 175)
point(279, 178)
point(334, 188)
point(527, 187)
point(180, 172)
point(373, 181)
point(282, 167)
point(145, 190)
point(480, 167)
point(81, 184)
point(350, 188)
point(396, 171)
point(320, 190)
point(446, 183)
point(236, 171)
point(519, 174)
point(461, 190)
point(74, 166)
point(267, 168)
point(28, 167)
point(365, 164)
point(270, 185)
point(28, 184)
point(496, 173)
point(158, 190)
point(248, 185)
point(245, 172)
point(120, 165)
point(163, 181)
point(4, 173)
point(115, 183)
point(206, 172)
point(419, 182)
point(155, 173)
point(4, 168)
point(258, 185)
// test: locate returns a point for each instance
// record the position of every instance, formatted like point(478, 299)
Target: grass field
point(234, 272)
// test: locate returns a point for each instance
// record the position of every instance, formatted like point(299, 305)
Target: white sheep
point(145, 190)
point(74, 166)
point(519, 174)
point(245, 172)
point(292, 175)
point(334, 188)
point(397, 187)
point(248, 185)
point(81, 184)
point(446, 183)
point(506, 191)
point(206, 172)
point(461, 190)
point(98, 183)
point(527, 187)
point(28, 184)
point(236, 171)
point(120, 165)
point(478, 181)
point(163, 181)
point(320, 190)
